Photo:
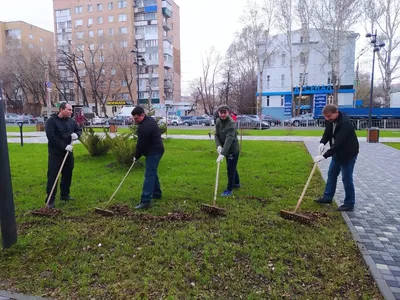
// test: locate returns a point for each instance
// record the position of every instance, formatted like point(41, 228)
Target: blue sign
point(288, 106)
point(315, 88)
point(319, 104)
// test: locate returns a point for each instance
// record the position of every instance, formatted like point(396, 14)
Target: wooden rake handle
point(58, 175)
point(305, 187)
point(216, 184)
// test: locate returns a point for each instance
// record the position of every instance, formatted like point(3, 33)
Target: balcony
point(168, 64)
point(166, 12)
point(166, 26)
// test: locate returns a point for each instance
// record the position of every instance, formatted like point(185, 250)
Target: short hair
point(137, 111)
point(63, 105)
point(330, 109)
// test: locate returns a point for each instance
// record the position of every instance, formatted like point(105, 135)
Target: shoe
point(156, 197)
point(50, 205)
point(237, 186)
point(345, 207)
point(323, 201)
point(143, 205)
point(66, 198)
point(226, 193)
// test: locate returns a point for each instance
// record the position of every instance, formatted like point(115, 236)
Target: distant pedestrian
point(150, 145)
point(227, 146)
point(61, 130)
point(80, 118)
point(344, 148)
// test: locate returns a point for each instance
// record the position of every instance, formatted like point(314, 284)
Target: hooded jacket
point(226, 136)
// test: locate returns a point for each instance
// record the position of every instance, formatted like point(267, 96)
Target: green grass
point(251, 253)
point(394, 145)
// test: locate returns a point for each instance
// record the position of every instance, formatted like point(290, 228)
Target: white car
point(174, 121)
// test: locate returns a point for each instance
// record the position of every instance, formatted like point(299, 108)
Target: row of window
point(100, 32)
point(90, 21)
point(303, 80)
point(99, 7)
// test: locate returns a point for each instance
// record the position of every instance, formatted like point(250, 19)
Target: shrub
point(95, 144)
point(123, 148)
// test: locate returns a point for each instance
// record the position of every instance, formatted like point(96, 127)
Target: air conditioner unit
point(89, 25)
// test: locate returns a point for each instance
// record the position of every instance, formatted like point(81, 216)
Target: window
point(122, 18)
point(99, 7)
point(303, 79)
point(303, 58)
point(41, 40)
point(123, 44)
point(122, 4)
point(267, 100)
point(101, 58)
point(78, 9)
point(31, 36)
point(268, 81)
point(90, 8)
point(63, 12)
point(151, 43)
point(91, 33)
point(283, 59)
point(80, 47)
point(79, 34)
point(111, 31)
point(110, 6)
point(110, 19)
point(113, 72)
point(79, 22)
point(282, 100)
point(90, 21)
point(31, 46)
point(330, 77)
point(124, 83)
point(123, 30)
point(100, 32)
point(283, 80)
point(91, 47)
point(99, 20)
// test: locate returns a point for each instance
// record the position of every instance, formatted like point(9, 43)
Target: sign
point(117, 102)
point(319, 104)
point(314, 88)
point(48, 84)
point(288, 106)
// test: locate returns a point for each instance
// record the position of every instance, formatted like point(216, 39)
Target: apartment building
point(127, 52)
point(312, 73)
point(21, 38)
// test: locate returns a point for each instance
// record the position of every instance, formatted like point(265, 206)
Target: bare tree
point(385, 15)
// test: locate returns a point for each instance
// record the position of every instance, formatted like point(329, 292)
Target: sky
point(204, 24)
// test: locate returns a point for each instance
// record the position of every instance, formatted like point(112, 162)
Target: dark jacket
point(58, 132)
point(226, 136)
point(346, 144)
point(149, 138)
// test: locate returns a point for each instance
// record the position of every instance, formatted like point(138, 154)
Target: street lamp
point(376, 48)
point(138, 62)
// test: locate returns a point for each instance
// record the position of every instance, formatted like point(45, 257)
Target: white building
point(395, 99)
point(315, 73)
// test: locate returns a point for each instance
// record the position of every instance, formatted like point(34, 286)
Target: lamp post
point(376, 48)
point(138, 61)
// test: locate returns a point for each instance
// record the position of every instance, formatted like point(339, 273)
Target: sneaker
point(143, 205)
point(323, 201)
point(237, 186)
point(345, 207)
point(226, 193)
point(66, 198)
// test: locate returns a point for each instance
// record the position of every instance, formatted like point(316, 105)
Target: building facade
point(312, 74)
point(20, 44)
point(126, 52)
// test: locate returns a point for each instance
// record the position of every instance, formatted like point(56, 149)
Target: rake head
point(296, 217)
point(103, 212)
point(46, 212)
point(213, 210)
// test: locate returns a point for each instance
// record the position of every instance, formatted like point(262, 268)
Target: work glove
point(74, 136)
point(321, 148)
point(220, 158)
point(134, 159)
point(69, 148)
point(219, 149)
point(318, 158)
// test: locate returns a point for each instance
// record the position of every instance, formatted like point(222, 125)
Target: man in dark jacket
point(227, 145)
point(150, 145)
point(344, 147)
point(61, 130)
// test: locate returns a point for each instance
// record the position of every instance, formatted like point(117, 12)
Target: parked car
point(245, 122)
point(196, 120)
point(121, 120)
point(99, 121)
point(302, 120)
point(174, 121)
point(271, 121)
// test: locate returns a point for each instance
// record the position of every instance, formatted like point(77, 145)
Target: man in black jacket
point(344, 147)
point(150, 145)
point(61, 130)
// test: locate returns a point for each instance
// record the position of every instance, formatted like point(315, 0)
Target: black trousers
point(233, 175)
point(54, 164)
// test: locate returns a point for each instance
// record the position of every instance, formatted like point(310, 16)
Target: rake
point(294, 216)
point(213, 209)
point(106, 212)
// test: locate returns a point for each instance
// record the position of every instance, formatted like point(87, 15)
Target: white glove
point(318, 158)
point(321, 148)
point(220, 158)
point(219, 149)
point(134, 159)
point(69, 148)
point(74, 136)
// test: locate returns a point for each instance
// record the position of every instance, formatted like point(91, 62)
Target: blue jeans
point(233, 175)
point(151, 185)
point(347, 169)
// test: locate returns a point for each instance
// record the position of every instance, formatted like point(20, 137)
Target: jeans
point(347, 169)
point(151, 185)
point(233, 175)
point(54, 164)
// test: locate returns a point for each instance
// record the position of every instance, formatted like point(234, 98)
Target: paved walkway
point(375, 221)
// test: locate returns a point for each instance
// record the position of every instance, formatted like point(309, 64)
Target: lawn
point(251, 253)
point(394, 145)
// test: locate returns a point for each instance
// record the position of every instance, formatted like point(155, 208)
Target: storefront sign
point(116, 103)
point(314, 88)
point(288, 105)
